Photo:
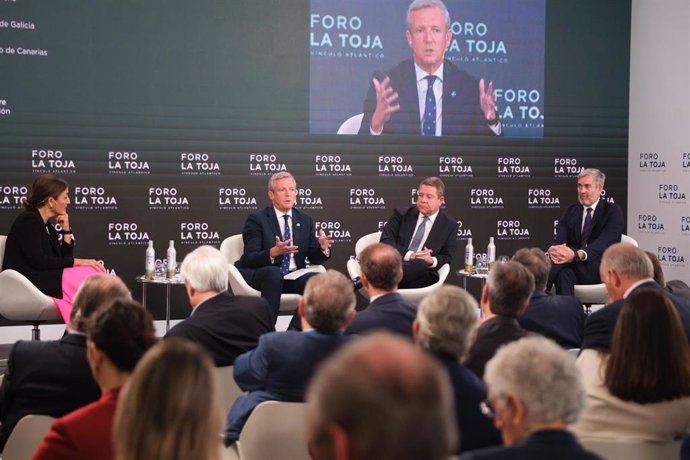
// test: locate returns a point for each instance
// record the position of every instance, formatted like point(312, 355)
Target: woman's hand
point(63, 220)
point(89, 263)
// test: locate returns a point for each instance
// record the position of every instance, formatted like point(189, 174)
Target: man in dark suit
point(278, 240)
point(558, 317)
point(625, 268)
point(504, 298)
point(424, 235)
point(225, 325)
point(381, 272)
point(53, 377)
point(280, 367)
point(428, 95)
point(583, 234)
point(444, 327)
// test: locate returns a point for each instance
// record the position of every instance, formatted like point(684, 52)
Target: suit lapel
point(409, 97)
point(410, 227)
point(578, 220)
point(296, 225)
point(273, 222)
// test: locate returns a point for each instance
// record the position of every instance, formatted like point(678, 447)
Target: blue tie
point(285, 263)
point(417, 238)
point(429, 123)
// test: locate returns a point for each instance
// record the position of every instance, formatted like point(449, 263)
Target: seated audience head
point(446, 322)
point(534, 260)
point(380, 398)
point(169, 408)
point(658, 270)
point(119, 333)
point(44, 188)
point(205, 273)
point(381, 267)
point(430, 195)
point(650, 356)
point(95, 291)
point(507, 290)
point(623, 265)
point(328, 303)
point(533, 385)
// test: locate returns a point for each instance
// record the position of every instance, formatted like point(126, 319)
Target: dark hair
point(45, 186)
point(510, 286)
point(534, 260)
point(94, 292)
point(123, 330)
point(658, 271)
point(650, 355)
point(382, 265)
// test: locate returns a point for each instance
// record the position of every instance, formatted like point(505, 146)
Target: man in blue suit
point(428, 95)
point(278, 240)
point(282, 364)
point(625, 268)
point(381, 272)
point(558, 317)
point(583, 234)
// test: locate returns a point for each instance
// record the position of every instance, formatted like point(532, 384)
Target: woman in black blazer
point(34, 249)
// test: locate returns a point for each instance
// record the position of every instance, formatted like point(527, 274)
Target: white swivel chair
point(412, 295)
point(20, 300)
point(26, 437)
point(275, 430)
point(632, 449)
point(229, 390)
point(590, 294)
point(232, 248)
point(351, 125)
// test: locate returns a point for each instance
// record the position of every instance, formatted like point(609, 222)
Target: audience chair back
point(229, 390)
point(632, 449)
point(275, 430)
point(26, 437)
point(21, 300)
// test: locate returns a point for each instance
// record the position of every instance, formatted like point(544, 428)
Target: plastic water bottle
point(150, 266)
point(491, 253)
point(171, 255)
point(469, 256)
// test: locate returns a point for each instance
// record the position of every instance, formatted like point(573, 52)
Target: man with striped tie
point(424, 235)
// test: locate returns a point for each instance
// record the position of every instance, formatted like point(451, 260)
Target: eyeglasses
point(487, 409)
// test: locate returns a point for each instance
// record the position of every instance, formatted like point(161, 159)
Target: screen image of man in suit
point(583, 234)
point(424, 235)
point(429, 95)
point(277, 240)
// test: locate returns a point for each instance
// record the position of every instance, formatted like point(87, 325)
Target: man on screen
point(583, 234)
point(424, 235)
point(277, 240)
point(428, 95)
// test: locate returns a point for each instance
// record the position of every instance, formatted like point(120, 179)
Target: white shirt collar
point(421, 74)
point(636, 285)
point(281, 213)
point(593, 206)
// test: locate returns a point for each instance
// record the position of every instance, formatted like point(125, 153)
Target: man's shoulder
point(403, 69)
point(453, 72)
point(607, 313)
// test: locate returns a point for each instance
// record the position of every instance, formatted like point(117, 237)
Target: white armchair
point(412, 295)
point(22, 301)
point(232, 248)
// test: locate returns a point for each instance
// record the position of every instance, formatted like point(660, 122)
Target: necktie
point(285, 263)
point(418, 235)
point(429, 123)
point(587, 228)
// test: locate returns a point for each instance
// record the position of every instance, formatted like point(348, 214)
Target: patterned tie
point(285, 263)
point(587, 228)
point(429, 123)
point(418, 235)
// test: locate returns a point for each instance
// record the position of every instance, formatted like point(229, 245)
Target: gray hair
point(94, 292)
point(205, 269)
point(328, 300)
point(598, 176)
point(447, 320)
point(420, 4)
point(540, 374)
point(628, 261)
point(510, 286)
point(278, 176)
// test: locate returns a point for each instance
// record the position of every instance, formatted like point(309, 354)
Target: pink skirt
point(71, 280)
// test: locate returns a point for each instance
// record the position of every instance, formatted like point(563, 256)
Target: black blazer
point(540, 445)
point(260, 233)
point(491, 335)
point(462, 114)
point(558, 317)
point(45, 377)
point(34, 250)
point(442, 238)
point(599, 325)
point(389, 312)
point(226, 326)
